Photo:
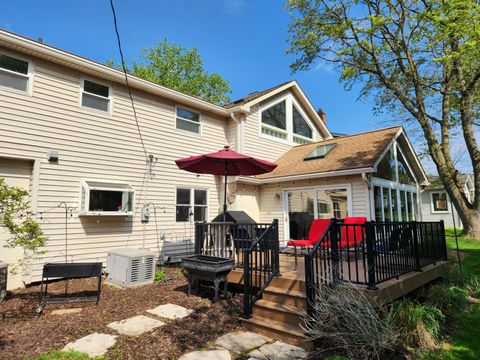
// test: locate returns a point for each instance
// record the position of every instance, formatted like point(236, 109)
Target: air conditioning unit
point(130, 267)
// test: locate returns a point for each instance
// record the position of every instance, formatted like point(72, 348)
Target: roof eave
point(17, 42)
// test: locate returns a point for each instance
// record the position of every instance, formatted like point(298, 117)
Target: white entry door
point(16, 173)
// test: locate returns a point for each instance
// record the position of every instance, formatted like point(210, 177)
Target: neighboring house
point(68, 134)
point(436, 204)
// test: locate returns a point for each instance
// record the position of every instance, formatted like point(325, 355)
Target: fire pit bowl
point(210, 268)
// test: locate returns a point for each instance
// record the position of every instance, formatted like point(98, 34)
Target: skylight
point(320, 152)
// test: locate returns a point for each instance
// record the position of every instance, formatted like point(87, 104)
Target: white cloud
point(234, 6)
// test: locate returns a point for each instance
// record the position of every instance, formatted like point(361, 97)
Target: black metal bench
point(67, 271)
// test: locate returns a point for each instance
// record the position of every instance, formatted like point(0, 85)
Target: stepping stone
point(282, 351)
point(135, 326)
point(170, 311)
point(66, 311)
point(257, 355)
point(241, 341)
point(94, 344)
point(207, 355)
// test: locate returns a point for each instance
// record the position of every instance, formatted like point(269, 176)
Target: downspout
point(238, 136)
point(371, 206)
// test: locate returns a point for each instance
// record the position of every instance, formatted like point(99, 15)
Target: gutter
point(64, 58)
point(258, 181)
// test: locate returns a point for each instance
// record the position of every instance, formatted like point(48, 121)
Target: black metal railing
point(253, 246)
point(372, 253)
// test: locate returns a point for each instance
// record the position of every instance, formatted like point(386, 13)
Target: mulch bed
point(25, 333)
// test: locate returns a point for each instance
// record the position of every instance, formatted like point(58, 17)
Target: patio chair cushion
point(352, 236)
point(317, 228)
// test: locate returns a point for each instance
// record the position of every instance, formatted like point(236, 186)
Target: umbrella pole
point(225, 194)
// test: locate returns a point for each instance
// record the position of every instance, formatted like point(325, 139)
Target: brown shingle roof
point(253, 96)
point(351, 152)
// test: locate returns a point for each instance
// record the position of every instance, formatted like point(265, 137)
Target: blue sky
point(243, 40)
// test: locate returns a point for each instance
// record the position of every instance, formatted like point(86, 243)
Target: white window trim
point(186, 132)
point(191, 206)
point(110, 96)
point(447, 199)
point(29, 75)
point(286, 222)
point(84, 183)
point(289, 102)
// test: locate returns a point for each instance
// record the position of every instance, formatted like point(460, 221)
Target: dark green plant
point(419, 325)
point(16, 217)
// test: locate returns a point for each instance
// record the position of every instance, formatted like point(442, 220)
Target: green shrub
point(418, 325)
point(451, 300)
point(346, 319)
point(160, 276)
point(65, 355)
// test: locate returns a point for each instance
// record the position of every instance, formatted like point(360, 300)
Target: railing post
point(370, 240)
point(309, 288)
point(334, 248)
point(443, 239)
point(247, 307)
point(276, 247)
point(415, 247)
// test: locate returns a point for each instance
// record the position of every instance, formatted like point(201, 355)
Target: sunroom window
point(106, 198)
point(95, 96)
point(188, 120)
point(301, 130)
point(274, 120)
point(14, 73)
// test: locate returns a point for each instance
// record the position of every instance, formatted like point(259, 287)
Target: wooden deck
point(280, 312)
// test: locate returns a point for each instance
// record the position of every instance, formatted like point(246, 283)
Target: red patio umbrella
point(225, 162)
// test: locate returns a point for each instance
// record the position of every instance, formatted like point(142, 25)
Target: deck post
point(198, 237)
point(444, 239)
point(415, 246)
point(276, 247)
point(370, 242)
point(309, 290)
point(334, 249)
point(247, 311)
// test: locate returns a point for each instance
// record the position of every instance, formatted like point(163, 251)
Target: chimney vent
point(40, 40)
point(322, 115)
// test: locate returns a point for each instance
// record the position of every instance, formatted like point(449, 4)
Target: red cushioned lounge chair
point(352, 236)
point(317, 229)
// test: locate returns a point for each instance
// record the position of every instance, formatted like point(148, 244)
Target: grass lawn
point(464, 343)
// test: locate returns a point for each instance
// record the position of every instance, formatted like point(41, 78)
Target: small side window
point(96, 96)
point(14, 73)
point(188, 120)
point(106, 198)
point(439, 202)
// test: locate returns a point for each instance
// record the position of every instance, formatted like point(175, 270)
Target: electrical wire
point(124, 67)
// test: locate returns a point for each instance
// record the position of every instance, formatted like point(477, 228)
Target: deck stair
point(280, 311)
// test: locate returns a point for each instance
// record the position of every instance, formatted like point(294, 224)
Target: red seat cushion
point(317, 228)
point(352, 235)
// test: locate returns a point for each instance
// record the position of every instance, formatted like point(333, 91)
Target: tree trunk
point(471, 223)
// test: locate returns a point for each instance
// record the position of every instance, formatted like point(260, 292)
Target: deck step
point(278, 312)
point(288, 284)
point(292, 298)
point(276, 330)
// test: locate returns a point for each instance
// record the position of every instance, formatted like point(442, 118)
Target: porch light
point(320, 152)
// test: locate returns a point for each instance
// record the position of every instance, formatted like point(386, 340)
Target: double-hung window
point(191, 204)
point(96, 96)
point(14, 73)
point(187, 120)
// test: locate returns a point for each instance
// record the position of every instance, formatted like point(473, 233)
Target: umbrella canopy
point(226, 162)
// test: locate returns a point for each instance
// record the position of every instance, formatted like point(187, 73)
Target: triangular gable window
point(320, 152)
point(300, 125)
point(275, 116)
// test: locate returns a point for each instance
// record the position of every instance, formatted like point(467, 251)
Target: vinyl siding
point(428, 215)
point(94, 145)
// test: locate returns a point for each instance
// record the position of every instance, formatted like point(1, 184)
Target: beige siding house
point(68, 134)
